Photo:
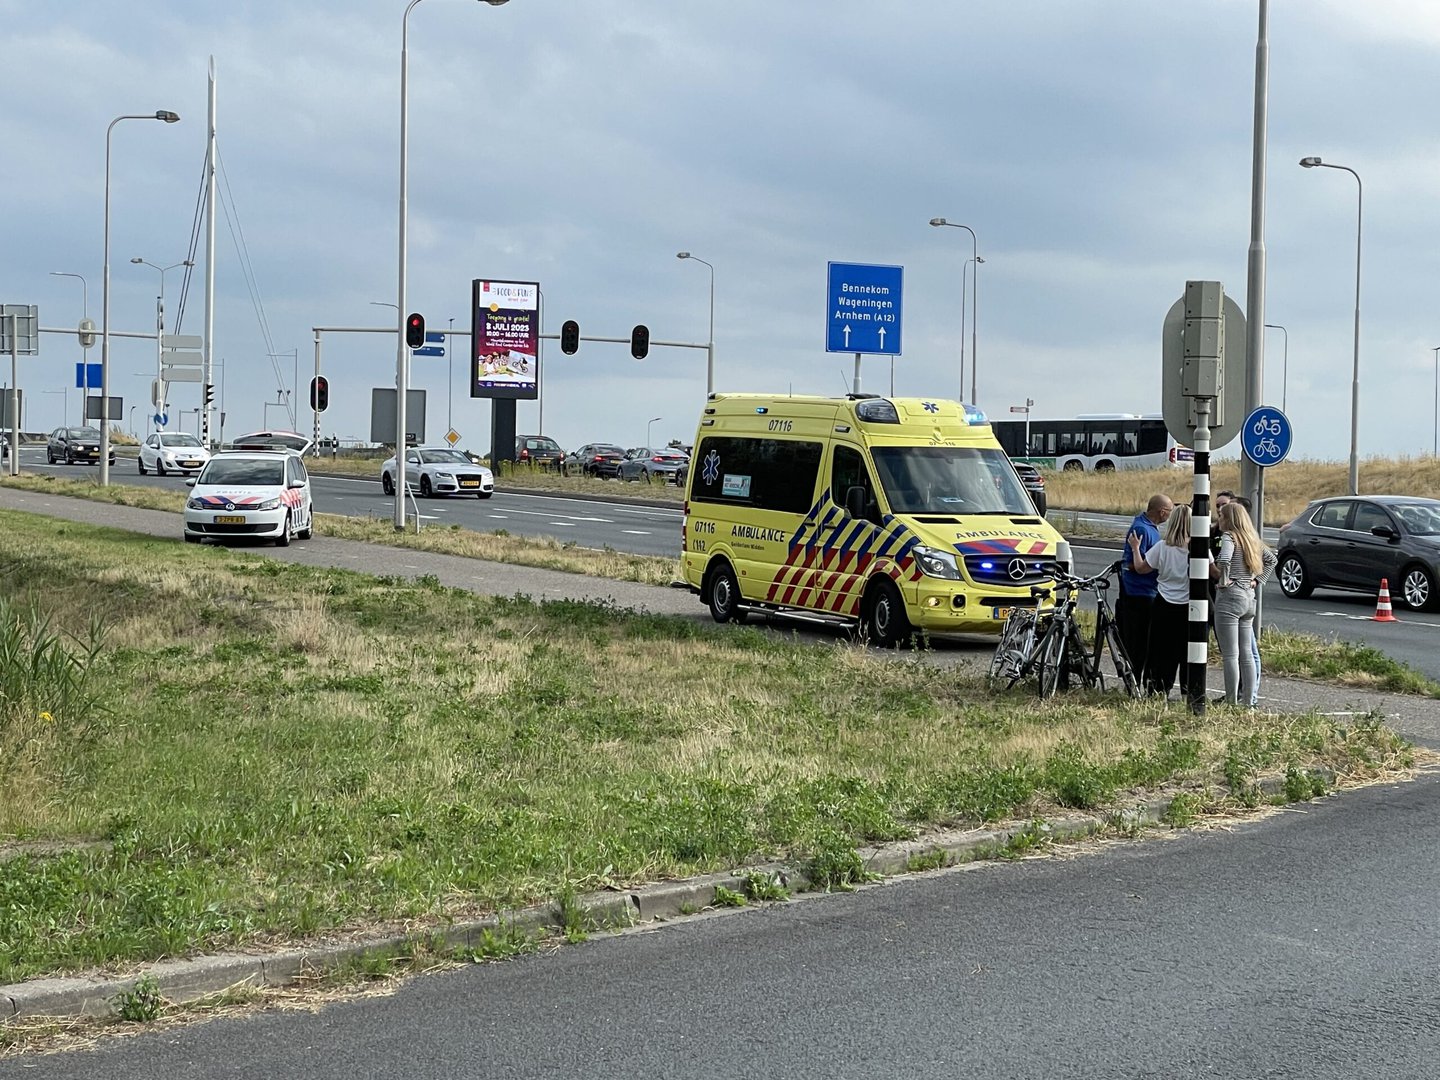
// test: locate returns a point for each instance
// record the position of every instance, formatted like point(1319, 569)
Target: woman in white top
point(1244, 563)
point(1170, 613)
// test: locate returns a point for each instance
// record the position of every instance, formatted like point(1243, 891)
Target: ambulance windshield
point(951, 480)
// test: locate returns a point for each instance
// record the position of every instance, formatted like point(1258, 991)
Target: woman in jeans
point(1244, 564)
point(1170, 611)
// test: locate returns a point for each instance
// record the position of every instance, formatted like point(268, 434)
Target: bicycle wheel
point(1083, 664)
point(1016, 640)
point(1052, 656)
point(1129, 677)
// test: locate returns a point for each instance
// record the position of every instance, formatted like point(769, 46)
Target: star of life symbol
point(930, 406)
point(711, 471)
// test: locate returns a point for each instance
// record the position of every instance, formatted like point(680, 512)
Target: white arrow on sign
point(882, 339)
point(847, 335)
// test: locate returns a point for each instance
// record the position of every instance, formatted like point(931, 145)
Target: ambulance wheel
point(723, 595)
point(884, 618)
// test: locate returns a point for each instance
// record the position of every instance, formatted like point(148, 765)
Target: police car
point(254, 494)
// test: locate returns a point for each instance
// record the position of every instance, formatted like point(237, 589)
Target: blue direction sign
point(161, 419)
point(90, 372)
point(429, 350)
point(863, 312)
point(1266, 436)
point(434, 335)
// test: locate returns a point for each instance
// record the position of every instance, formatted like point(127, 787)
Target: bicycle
point(1059, 652)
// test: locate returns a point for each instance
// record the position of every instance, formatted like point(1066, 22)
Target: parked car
point(1352, 542)
point(539, 451)
point(439, 470)
point(171, 451)
point(652, 463)
point(75, 444)
point(595, 459)
point(250, 494)
point(1034, 481)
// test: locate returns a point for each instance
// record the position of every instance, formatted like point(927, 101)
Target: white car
point(439, 470)
point(171, 451)
point(250, 494)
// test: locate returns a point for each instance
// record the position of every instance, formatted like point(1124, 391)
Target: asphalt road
point(1300, 944)
point(1413, 639)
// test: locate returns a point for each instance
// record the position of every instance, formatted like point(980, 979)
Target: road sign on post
point(429, 350)
point(20, 329)
point(1229, 407)
point(87, 376)
point(1266, 436)
point(863, 308)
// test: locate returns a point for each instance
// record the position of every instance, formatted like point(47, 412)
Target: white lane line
point(500, 517)
point(551, 513)
point(1371, 618)
point(636, 532)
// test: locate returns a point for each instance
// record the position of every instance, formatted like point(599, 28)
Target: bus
point(1092, 442)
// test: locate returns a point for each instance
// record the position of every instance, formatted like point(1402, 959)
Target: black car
point(1034, 482)
point(73, 445)
point(1355, 541)
point(538, 451)
point(595, 459)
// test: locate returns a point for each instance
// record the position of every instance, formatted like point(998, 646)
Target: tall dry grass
point(1289, 487)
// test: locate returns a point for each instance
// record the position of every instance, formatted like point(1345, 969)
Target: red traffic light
point(415, 331)
point(319, 393)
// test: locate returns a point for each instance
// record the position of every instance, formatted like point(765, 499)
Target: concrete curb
point(181, 981)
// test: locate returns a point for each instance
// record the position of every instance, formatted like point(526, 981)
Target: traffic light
point(640, 342)
point(415, 330)
point(569, 337)
point(208, 395)
point(319, 393)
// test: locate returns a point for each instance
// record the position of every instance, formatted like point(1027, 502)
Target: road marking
point(636, 532)
point(550, 513)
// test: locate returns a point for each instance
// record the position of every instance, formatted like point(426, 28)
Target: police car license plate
point(1000, 613)
point(229, 519)
point(469, 483)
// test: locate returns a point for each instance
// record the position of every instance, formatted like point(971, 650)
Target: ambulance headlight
point(939, 564)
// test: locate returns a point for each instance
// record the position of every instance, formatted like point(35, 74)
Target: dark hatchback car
point(538, 451)
point(595, 459)
point(74, 445)
point(1352, 542)
point(1034, 482)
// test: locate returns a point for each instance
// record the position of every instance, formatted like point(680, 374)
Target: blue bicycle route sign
point(863, 304)
point(1266, 436)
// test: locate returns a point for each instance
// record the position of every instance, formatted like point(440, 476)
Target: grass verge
point(276, 752)
point(498, 546)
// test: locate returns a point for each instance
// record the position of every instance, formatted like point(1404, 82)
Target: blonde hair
point(1235, 521)
point(1177, 529)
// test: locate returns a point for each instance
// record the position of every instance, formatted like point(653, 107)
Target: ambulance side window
point(758, 472)
point(848, 471)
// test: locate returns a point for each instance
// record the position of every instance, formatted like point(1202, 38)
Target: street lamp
point(1285, 362)
point(84, 315)
point(160, 320)
point(402, 356)
point(169, 118)
point(974, 349)
point(653, 420)
point(1312, 163)
point(710, 346)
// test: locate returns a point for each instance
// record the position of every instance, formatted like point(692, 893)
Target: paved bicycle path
point(1415, 717)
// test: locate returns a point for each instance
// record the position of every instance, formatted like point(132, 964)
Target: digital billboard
point(505, 339)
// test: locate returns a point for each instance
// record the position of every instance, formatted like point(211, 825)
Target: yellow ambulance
point(896, 514)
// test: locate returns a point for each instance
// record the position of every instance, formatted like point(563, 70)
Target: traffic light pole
point(314, 412)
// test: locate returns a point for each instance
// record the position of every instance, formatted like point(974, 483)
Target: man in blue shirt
point(1137, 590)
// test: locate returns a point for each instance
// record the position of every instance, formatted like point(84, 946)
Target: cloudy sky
point(1100, 150)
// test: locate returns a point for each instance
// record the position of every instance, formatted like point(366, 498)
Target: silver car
point(171, 451)
point(650, 463)
point(440, 470)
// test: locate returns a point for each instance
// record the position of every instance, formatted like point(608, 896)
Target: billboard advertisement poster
point(505, 339)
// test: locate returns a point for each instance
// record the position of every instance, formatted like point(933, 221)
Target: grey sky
point(1100, 150)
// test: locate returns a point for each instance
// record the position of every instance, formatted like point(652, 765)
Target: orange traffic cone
point(1382, 605)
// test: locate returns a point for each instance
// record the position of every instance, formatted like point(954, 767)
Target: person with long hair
point(1244, 564)
point(1170, 612)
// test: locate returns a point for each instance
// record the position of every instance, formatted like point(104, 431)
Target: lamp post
point(1435, 443)
point(160, 319)
point(1312, 163)
point(132, 423)
point(169, 118)
point(710, 345)
point(84, 314)
point(402, 356)
point(1285, 362)
point(653, 420)
point(974, 349)
point(450, 378)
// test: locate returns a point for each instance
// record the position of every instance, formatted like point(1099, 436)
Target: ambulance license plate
point(1000, 613)
point(229, 519)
